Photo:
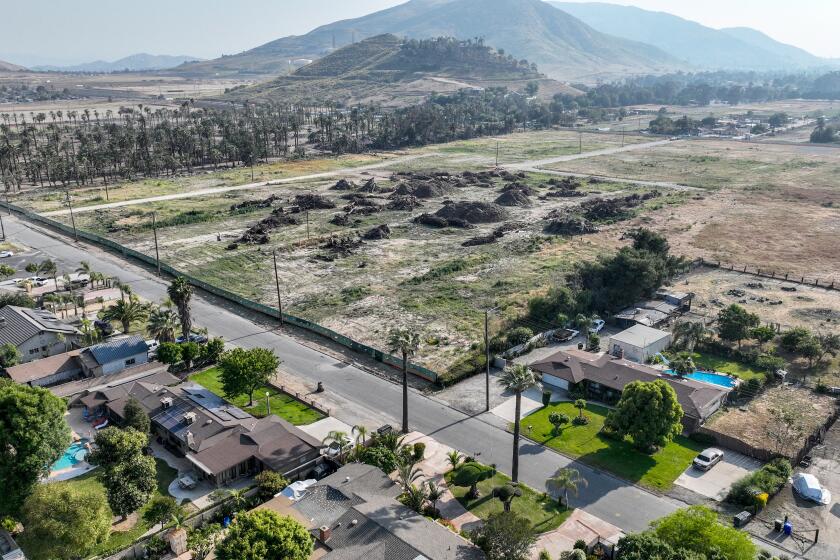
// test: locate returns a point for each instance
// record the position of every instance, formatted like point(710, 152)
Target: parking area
point(715, 482)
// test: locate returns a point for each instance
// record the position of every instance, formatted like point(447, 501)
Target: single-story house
point(354, 513)
point(47, 372)
point(36, 333)
point(222, 441)
point(114, 355)
point(604, 377)
point(681, 299)
point(639, 343)
point(650, 313)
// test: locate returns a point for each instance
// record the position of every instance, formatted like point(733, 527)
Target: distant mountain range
point(563, 46)
point(738, 48)
point(9, 67)
point(392, 71)
point(133, 63)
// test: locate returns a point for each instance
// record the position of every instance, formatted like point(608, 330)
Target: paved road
point(530, 164)
point(370, 398)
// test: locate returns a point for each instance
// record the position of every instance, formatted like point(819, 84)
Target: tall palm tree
point(341, 441)
point(683, 364)
point(49, 268)
point(407, 472)
point(406, 343)
point(86, 269)
point(565, 480)
point(126, 312)
point(433, 494)
point(688, 333)
point(162, 324)
point(360, 433)
point(180, 292)
point(517, 378)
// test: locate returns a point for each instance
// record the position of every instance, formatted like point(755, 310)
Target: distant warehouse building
point(639, 343)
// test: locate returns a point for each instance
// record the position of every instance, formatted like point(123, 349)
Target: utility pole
point(72, 218)
point(107, 196)
point(8, 204)
point(497, 153)
point(277, 284)
point(2, 228)
point(307, 224)
point(157, 252)
point(487, 358)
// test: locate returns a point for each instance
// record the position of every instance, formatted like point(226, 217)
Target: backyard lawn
point(282, 405)
point(656, 471)
point(121, 539)
point(722, 364)
point(544, 514)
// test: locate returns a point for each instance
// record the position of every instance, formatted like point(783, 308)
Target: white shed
point(639, 343)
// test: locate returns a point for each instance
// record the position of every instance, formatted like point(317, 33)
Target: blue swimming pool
point(72, 456)
point(709, 377)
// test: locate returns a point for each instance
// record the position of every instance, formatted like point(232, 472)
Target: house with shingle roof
point(604, 377)
point(36, 333)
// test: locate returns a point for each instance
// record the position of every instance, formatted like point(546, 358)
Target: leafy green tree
point(697, 529)
point(688, 333)
point(405, 342)
point(517, 379)
point(558, 420)
point(189, 352)
point(574, 554)
point(17, 299)
point(505, 536)
point(33, 435)
point(470, 474)
point(114, 446)
point(830, 345)
point(769, 363)
point(244, 371)
point(129, 476)
point(126, 312)
point(763, 334)
point(180, 292)
point(265, 535)
point(202, 540)
point(506, 493)
point(31, 268)
point(644, 546)
point(9, 356)
point(810, 349)
point(169, 353)
point(270, 484)
point(683, 364)
point(136, 416)
point(648, 412)
point(378, 456)
point(593, 342)
point(735, 323)
point(161, 510)
point(564, 481)
point(792, 339)
point(212, 351)
point(64, 521)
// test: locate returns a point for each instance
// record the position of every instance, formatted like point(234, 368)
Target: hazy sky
point(72, 31)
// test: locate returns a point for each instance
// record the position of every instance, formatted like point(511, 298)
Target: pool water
point(72, 456)
point(709, 377)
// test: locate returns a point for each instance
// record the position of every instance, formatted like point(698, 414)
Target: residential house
point(650, 313)
point(9, 550)
point(354, 513)
point(603, 378)
point(36, 333)
point(639, 343)
point(222, 441)
point(47, 372)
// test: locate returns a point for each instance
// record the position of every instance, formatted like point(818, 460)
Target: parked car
point(153, 346)
point(194, 337)
point(104, 327)
point(6, 254)
point(809, 488)
point(597, 326)
point(708, 458)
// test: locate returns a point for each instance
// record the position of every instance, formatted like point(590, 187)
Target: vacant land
point(281, 404)
point(544, 513)
point(750, 423)
point(658, 471)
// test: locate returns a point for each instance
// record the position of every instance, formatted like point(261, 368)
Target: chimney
point(189, 417)
point(190, 440)
point(166, 402)
point(324, 533)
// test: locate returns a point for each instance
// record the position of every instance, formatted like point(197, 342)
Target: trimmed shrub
point(769, 479)
point(419, 451)
point(472, 363)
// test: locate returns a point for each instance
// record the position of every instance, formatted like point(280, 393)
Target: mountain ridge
point(9, 67)
point(132, 63)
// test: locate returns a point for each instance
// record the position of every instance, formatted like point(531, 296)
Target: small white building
point(639, 343)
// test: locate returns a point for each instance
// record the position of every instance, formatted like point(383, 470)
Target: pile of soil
point(565, 183)
point(494, 236)
point(341, 220)
point(379, 232)
point(422, 189)
point(438, 222)
point(611, 209)
point(514, 197)
point(313, 202)
point(361, 204)
point(565, 193)
point(403, 202)
point(569, 224)
point(342, 245)
point(343, 185)
point(253, 204)
point(258, 234)
point(517, 186)
point(473, 212)
point(371, 186)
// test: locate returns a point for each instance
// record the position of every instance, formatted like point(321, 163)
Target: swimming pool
point(72, 456)
point(709, 377)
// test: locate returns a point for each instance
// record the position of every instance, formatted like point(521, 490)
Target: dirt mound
point(494, 236)
point(379, 232)
point(473, 212)
point(427, 189)
point(341, 220)
point(258, 234)
point(403, 202)
point(568, 224)
point(438, 222)
point(343, 185)
point(362, 204)
point(517, 186)
point(565, 183)
point(340, 246)
point(249, 205)
point(313, 202)
point(514, 197)
point(614, 209)
point(371, 186)
point(565, 194)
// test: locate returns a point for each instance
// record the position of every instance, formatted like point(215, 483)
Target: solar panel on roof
point(238, 414)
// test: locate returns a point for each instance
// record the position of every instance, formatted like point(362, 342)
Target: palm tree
point(580, 404)
point(415, 497)
point(86, 269)
point(683, 364)
point(180, 291)
point(341, 441)
point(126, 312)
point(360, 433)
point(162, 324)
point(454, 458)
point(407, 472)
point(433, 494)
point(49, 268)
point(565, 480)
point(688, 333)
point(406, 343)
point(517, 378)
point(90, 335)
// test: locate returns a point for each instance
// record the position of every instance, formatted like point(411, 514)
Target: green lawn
point(544, 514)
point(656, 471)
point(722, 364)
point(282, 405)
point(118, 540)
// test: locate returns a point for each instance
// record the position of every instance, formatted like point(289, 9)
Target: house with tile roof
point(604, 377)
point(36, 333)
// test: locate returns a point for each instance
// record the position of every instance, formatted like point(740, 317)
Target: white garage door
point(555, 381)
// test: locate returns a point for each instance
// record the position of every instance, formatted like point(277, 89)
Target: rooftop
point(639, 336)
point(19, 324)
point(45, 367)
point(118, 349)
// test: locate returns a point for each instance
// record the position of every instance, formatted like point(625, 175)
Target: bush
point(821, 388)
point(419, 451)
point(270, 484)
point(769, 479)
point(544, 555)
point(580, 544)
point(519, 335)
point(580, 420)
point(472, 363)
point(380, 457)
point(769, 363)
